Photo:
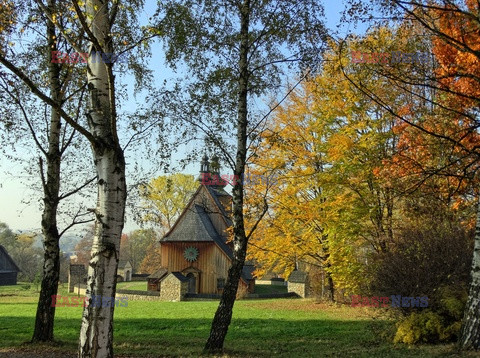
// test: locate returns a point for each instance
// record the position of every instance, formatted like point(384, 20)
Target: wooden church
point(196, 245)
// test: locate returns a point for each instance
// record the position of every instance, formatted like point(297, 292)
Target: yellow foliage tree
point(164, 199)
point(327, 207)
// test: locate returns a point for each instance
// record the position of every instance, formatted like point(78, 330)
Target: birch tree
point(96, 334)
point(237, 53)
point(52, 147)
point(101, 22)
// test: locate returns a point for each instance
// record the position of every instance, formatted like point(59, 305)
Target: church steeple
point(204, 164)
point(204, 168)
point(217, 182)
point(210, 172)
point(215, 165)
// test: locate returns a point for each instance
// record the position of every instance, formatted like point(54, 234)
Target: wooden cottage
point(8, 268)
point(124, 271)
point(196, 245)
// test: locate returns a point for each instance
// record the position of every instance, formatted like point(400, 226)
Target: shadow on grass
point(161, 337)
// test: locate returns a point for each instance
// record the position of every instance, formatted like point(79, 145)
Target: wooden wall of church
point(211, 261)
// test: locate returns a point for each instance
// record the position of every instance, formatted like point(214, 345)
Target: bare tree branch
point(35, 90)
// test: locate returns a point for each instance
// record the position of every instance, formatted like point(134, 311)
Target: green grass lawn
point(259, 328)
point(132, 285)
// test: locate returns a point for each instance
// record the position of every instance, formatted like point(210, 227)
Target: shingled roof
point(298, 277)
point(215, 193)
point(179, 276)
point(6, 262)
point(195, 225)
point(158, 274)
point(123, 263)
point(247, 271)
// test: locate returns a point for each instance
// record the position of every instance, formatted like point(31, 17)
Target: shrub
point(429, 261)
point(419, 327)
point(452, 300)
point(430, 258)
point(425, 327)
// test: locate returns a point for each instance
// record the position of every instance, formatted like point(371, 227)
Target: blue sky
point(12, 189)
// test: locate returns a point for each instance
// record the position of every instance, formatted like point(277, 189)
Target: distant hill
point(67, 242)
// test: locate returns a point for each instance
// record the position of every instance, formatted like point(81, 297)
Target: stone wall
point(130, 297)
point(172, 289)
point(298, 288)
point(139, 292)
point(190, 297)
point(138, 297)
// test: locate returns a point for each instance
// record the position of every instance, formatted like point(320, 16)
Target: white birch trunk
point(96, 334)
point(470, 332)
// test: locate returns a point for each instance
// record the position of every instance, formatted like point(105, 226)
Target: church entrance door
point(192, 283)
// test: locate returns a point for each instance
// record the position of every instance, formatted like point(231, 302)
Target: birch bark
point(96, 334)
point(470, 332)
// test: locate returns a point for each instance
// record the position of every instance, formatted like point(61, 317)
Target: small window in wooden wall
point(220, 283)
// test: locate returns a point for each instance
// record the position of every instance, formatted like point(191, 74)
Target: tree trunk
point(223, 316)
point(45, 316)
point(331, 287)
point(470, 332)
point(96, 334)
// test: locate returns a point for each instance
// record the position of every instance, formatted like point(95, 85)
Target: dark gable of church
point(8, 268)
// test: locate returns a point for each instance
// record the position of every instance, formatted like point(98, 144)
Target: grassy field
point(260, 328)
point(132, 285)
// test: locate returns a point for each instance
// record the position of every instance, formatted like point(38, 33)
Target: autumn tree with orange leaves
point(456, 32)
point(348, 175)
point(442, 110)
